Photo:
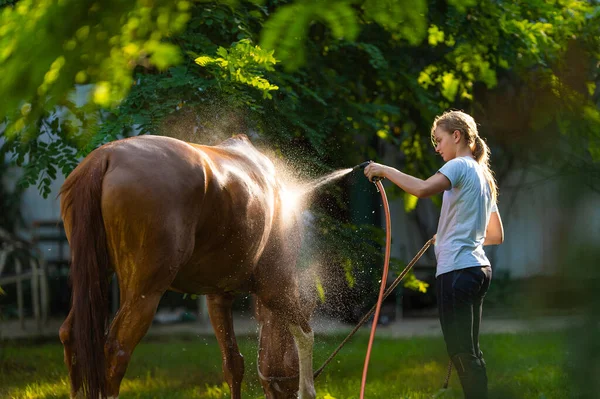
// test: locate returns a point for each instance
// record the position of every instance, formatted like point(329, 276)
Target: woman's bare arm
point(494, 233)
point(412, 185)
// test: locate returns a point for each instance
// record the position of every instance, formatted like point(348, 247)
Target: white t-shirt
point(466, 210)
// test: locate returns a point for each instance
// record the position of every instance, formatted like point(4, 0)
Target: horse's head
point(277, 353)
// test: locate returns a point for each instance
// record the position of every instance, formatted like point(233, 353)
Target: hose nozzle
point(362, 165)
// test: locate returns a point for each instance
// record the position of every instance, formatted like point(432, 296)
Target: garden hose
point(386, 263)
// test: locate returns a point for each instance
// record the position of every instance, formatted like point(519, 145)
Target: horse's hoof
point(307, 394)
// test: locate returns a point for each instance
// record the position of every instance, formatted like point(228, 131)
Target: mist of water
point(318, 183)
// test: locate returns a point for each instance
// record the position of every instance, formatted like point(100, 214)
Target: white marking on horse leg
point(260, 375)
point(304, 344)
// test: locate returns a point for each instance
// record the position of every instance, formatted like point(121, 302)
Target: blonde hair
point(465, 124)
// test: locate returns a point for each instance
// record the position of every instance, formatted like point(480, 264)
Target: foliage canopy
point(308, 74)
point(324, 83)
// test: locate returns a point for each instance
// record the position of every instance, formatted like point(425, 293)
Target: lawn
point(519, 366)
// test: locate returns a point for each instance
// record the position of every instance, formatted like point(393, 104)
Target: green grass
point(519, 366)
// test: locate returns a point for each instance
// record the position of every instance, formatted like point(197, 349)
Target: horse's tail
point(81, 211)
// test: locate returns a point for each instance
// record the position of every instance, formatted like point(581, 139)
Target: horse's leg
point(65, 333)
point(219, 309)
point(304, 339)
point(133, 319)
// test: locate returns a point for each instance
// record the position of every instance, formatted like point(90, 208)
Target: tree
point(362, 65)
point(327, 81)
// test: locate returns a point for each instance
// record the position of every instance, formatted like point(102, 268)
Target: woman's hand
point(375, 170)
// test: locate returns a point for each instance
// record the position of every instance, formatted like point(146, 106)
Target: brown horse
point(164, 214)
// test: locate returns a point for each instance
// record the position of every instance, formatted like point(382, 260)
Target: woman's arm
point(494, 233)
point(412, 185)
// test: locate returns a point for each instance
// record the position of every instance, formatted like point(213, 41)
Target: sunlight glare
point(291, 200)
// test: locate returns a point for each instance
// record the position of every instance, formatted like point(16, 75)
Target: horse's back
point(163, 214)
point(205, 214)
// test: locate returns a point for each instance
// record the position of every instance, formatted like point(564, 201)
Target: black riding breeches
point(460, 296)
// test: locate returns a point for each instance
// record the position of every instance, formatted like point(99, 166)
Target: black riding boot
point(472, 374)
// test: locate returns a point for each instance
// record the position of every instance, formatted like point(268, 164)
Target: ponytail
point(481, 152)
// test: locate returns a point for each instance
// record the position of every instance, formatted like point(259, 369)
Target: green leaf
point(410, 202)
point(341, 19)
point(449, 86)
point(204, 60)
point(163, 55)
point(406, 18)
point(462, 5)
point(435, 35)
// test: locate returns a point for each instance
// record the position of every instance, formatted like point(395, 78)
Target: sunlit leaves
point(428, 77)
point(410, 202)
point(46, 47)
point(216, 391)
point(412, 282)
point(49, 47)
point(508, 36)
point(348, 268)
point(405, 18)
point(341, 19)
point(591, 86)
point(462, 5)
point(320, 289)
point(408, 64)
point(449, 85)
point(382, 133)
point(242, 63)
point(435, 35)
point(465, 65)
point(162, 55)
point(536, 38)
point(592, 114)
point(286, 30)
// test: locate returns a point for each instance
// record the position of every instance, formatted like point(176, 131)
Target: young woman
point(469, 220)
